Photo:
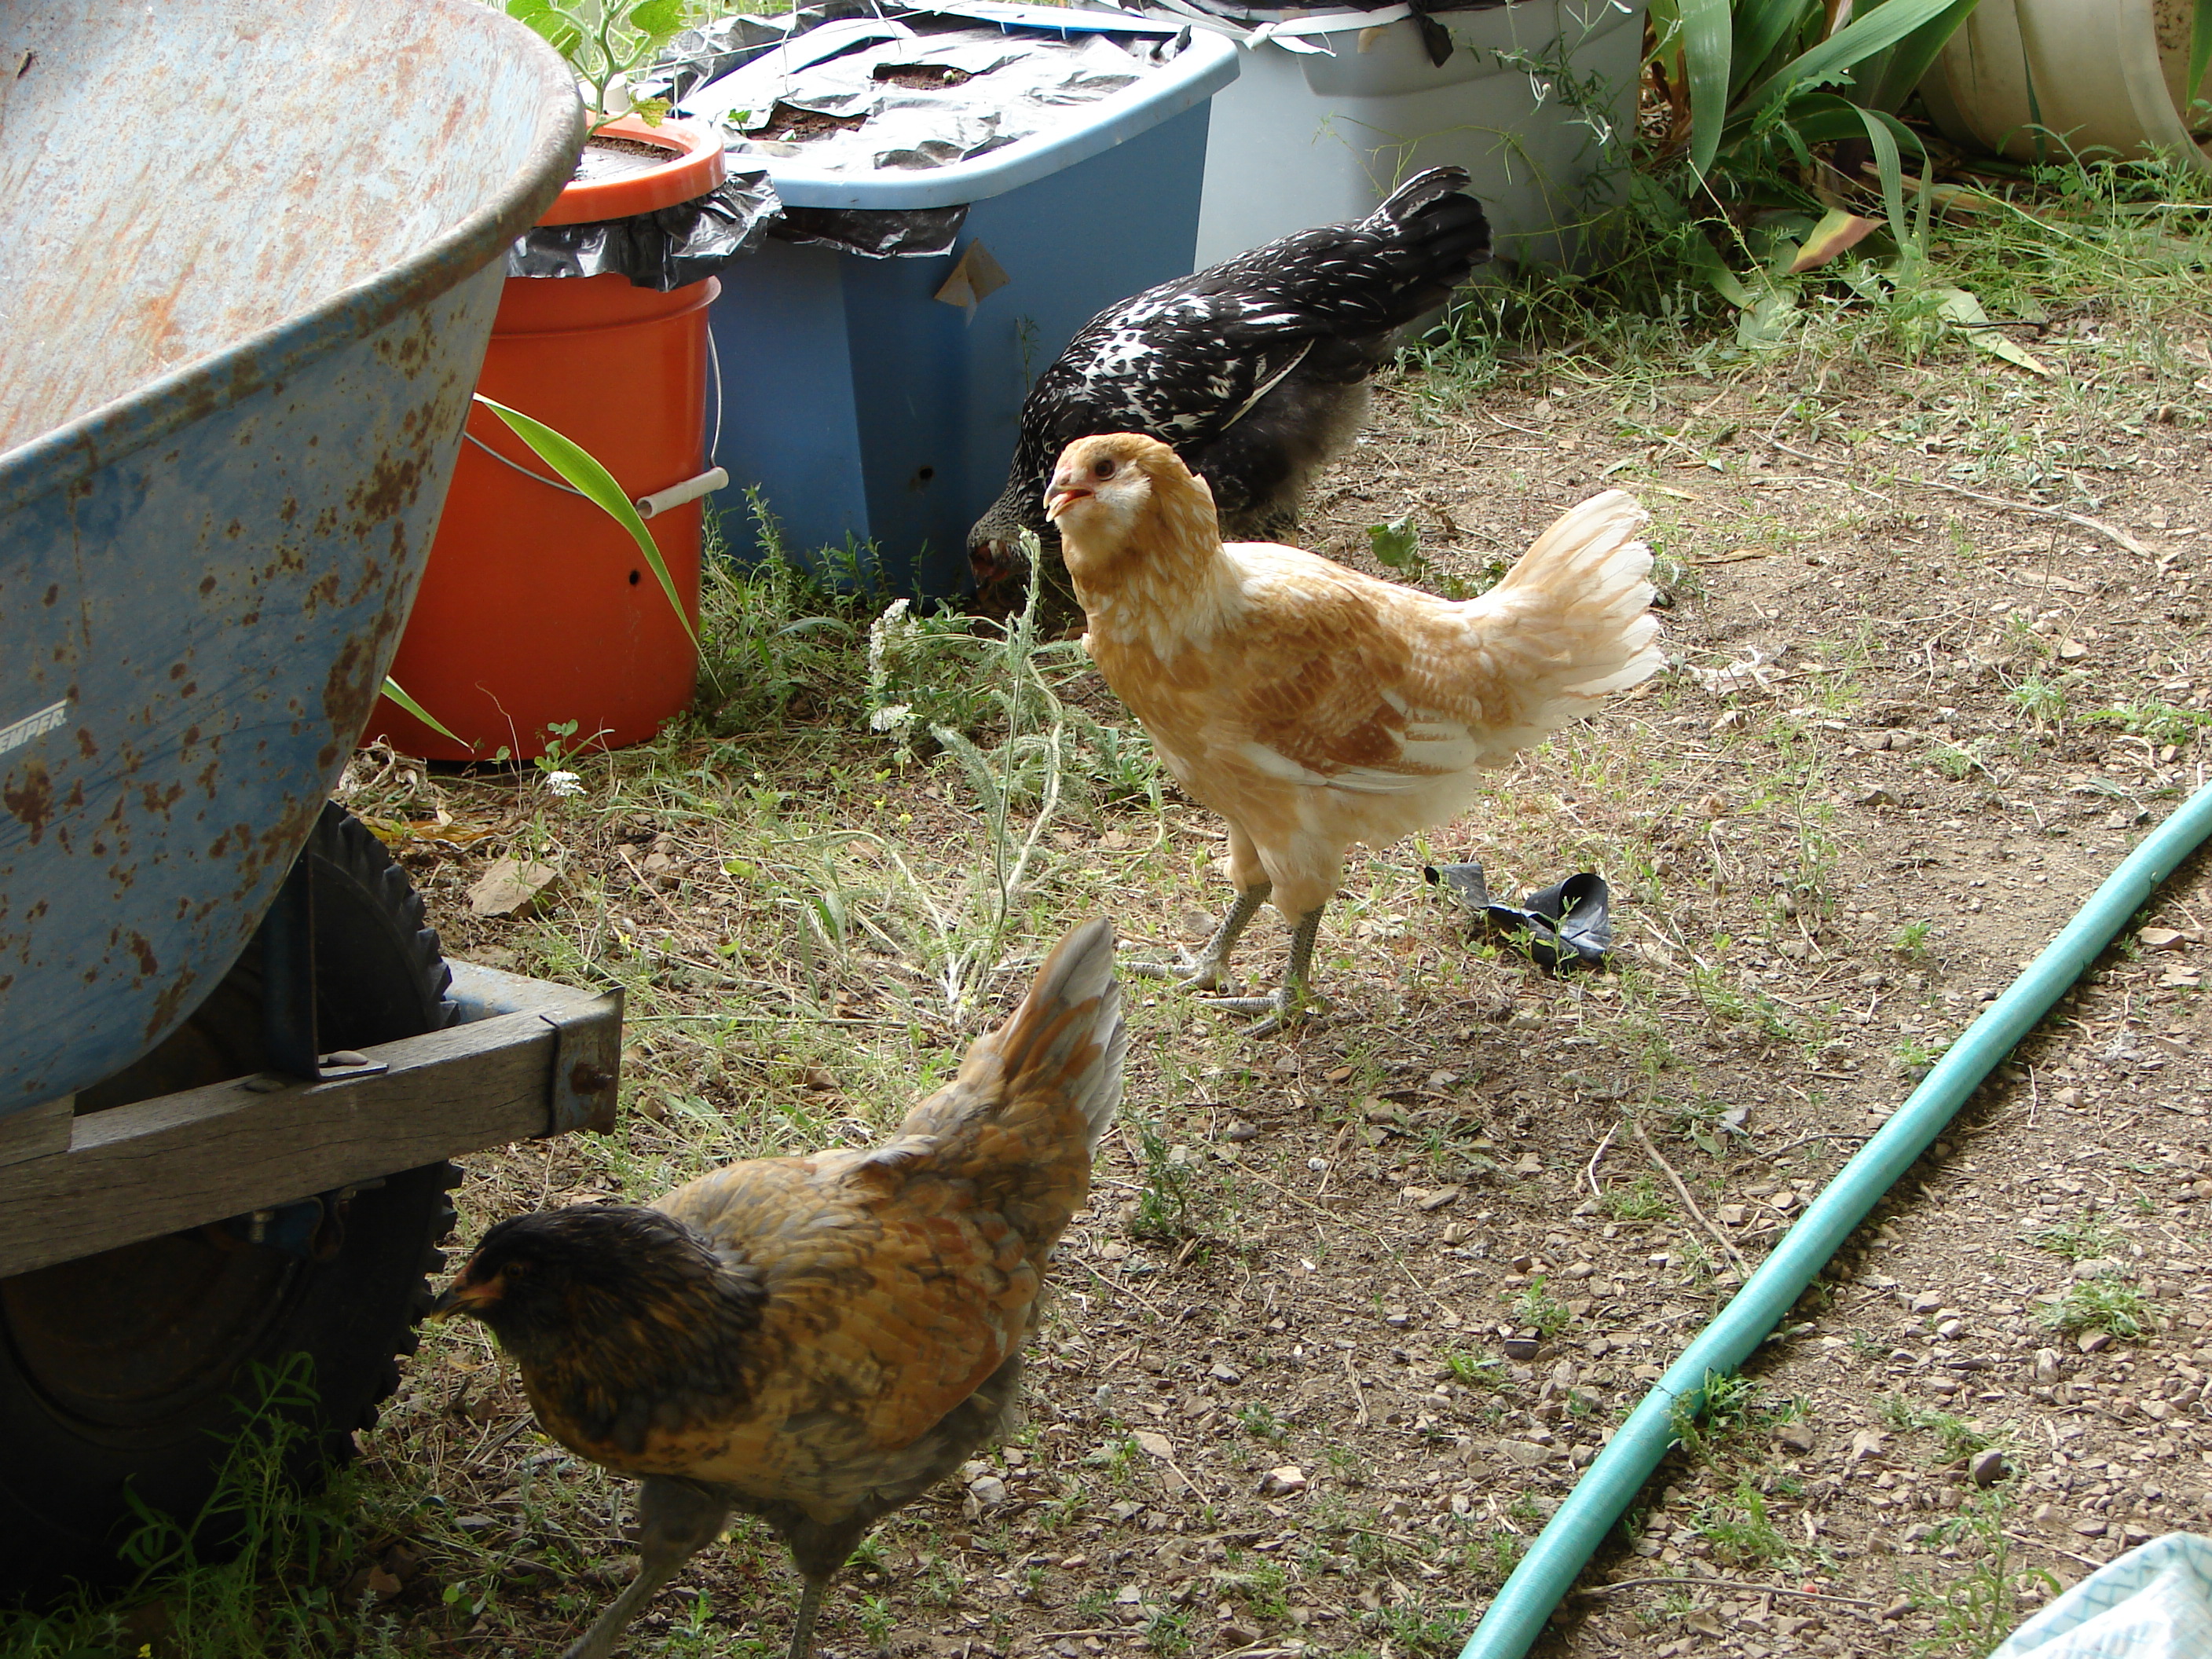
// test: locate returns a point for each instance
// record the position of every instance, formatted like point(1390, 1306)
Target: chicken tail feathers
point(1574, 612)
point(1049, 1076)
point(1067, 1036)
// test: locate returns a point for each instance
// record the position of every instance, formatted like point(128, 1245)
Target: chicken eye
point(1102, 469)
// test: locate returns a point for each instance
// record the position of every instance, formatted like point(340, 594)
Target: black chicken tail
point(1429, 235)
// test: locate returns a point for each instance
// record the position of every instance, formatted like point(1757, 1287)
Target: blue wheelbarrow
point(250, 272)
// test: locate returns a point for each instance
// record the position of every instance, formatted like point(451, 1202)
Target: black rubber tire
point(98, 1388)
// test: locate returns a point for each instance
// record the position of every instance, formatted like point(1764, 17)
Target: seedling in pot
point(605, 42)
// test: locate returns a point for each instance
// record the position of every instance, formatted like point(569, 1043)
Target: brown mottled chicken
point(815, 1341)
point(1314, 707)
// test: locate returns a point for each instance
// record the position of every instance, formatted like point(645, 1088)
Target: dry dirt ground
point(1350, 1310)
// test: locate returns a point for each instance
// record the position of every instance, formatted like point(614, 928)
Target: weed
point(1916, 1053)
point(1428, 1636)
point(1165, 1206)
point(2156, 722)
point(1536, 1306)
point(1739, 1529)
point(1642, 1201)
point(264, 1599)
point(2077, 1241)
point(1472, 1371)
point(1955, 1437)
point(1262, 1424)
point(1977, 1612)
point(1727, 1408)
point(2106, 1302)
point(1911, 940)
point(2042, 701)
point(1346, 1464)
point(1168, 1631)
point(1263, 1587)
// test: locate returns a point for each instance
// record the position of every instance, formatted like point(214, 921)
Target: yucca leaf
point(391, 691)
point(1840, 231)
point(1868, 32)
point(585, 475)
point(1886, 80)
point(1963, 309)
point(1764, 27)
point(1707, 47)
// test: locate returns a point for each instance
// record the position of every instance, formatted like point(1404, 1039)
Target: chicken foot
point(676, 1519)
point(1294, 998)
point(1209, 969)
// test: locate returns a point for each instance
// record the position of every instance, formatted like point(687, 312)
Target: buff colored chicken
point(1314, 707)
point(815, 1341)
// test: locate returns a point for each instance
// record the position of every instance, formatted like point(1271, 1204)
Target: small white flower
point(563, 783)
point(896, 717)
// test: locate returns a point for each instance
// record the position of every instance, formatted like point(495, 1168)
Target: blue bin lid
point(1208, 62)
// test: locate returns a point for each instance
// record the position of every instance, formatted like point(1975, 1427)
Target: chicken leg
point(676, 1519)
point(1209, 969)
point(1294, 998)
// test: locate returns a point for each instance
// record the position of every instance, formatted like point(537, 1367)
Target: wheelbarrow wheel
point(133, 1374)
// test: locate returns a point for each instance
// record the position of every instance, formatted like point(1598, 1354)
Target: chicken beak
point(462, 1296)
point(1061, 494)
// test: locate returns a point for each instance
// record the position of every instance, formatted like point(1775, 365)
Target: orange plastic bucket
point(537, 608)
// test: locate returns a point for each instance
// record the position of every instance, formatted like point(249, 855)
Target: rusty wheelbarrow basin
point(244, 312)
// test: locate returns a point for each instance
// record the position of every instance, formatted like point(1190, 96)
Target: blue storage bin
point(866, 409)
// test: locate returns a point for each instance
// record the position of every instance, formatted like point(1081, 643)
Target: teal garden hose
point(1603, 1494)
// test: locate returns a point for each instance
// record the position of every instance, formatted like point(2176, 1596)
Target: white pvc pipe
point(676, 495)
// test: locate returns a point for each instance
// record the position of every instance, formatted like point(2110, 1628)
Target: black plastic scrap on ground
point(1559, 926)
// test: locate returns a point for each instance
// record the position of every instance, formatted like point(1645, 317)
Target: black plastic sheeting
point(874, 232)
point(668, 249)
point(1567, 923)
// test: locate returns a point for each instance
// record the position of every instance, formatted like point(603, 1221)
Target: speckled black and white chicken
point(1254, 372)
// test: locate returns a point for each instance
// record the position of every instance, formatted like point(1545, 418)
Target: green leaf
point(1890, 168)
point(1762, 28)
point(392, 690)
point(1885, 82)
point(1868, 32)
point(1397, 544)
point(1769, 321)
point(585, 474)
point(657, 17)
point(559, 30)
point(1707, 48)
point(1706, 259)
point(1963, 309)
point(1839, 231)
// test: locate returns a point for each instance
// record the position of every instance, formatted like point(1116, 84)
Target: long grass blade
point(584, 473)
point(394, 694)
point(1890, 166)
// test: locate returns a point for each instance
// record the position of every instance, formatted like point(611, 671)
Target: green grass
point(1641, 1200)
point(276, 1592)
point(1955, 1437)
point(2084, 1240)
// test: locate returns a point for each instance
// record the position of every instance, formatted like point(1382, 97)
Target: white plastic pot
point(2035, 80)
point(1331, 113)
